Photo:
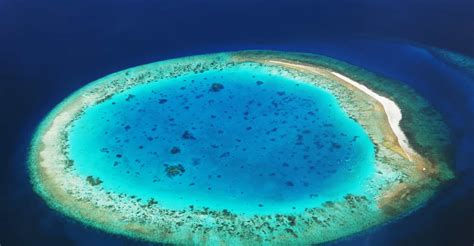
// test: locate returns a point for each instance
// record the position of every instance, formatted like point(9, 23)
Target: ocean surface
point(48, 50)
point(242, 139)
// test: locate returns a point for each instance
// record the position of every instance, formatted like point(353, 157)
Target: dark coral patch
point(188, 136)
point(216, 87)
point(161, 101)
point(174, 170)
point(93, 181)
point(175, 150)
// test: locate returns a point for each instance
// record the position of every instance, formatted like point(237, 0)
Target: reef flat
point(460, 61)
point(393, 164)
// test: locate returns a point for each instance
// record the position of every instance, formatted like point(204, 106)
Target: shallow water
point(72, 43)
point(241, 139)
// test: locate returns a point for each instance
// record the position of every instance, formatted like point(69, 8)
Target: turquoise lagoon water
point(241, 139)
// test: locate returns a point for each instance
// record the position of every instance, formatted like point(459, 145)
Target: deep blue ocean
point(50, 49)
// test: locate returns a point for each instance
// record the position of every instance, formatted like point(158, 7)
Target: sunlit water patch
point(241, 139)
